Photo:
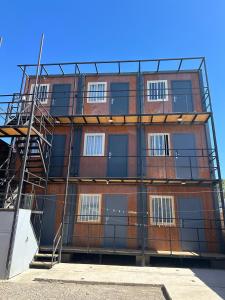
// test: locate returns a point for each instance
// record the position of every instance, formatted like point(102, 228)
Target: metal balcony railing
point(198, 166)
point(15, 109)
point(76, 103)
point(143, 233)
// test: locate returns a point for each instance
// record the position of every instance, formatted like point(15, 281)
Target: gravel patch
point(60, 290)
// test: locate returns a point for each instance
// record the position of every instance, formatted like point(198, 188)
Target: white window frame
point(96, 100)
point(45, 101)
point(79, 217)
point(148, 90)
point(162, 223)
point(149, 144)
point(86, 135)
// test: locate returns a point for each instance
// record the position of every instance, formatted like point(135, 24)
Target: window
point(94, 144)
point(158, 144)
point(157, 90)
point(162, 210)
point(96, 92)
point(89, 208)
point(42, 92)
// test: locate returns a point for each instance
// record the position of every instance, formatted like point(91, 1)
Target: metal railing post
point(191, 173)
point(170, 240)
point(22, 173)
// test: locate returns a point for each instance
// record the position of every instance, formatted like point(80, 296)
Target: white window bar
point(157, 90)
point(89, 208)
point(42, 92)
point(162, 210)
point(96, 92)
point(158, 144)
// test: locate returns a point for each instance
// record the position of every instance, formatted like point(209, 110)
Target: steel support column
point(22, 172)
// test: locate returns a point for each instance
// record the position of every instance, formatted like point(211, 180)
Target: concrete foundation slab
point(181, 283)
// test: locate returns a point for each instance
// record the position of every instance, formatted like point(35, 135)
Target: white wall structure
point(6, 219)
point(25, 245)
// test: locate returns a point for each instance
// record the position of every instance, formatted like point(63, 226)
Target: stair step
point(23, 141)
point(35, 167)
point(42, 264)
point(22, 146)
point(34, 160)
point(47, 255)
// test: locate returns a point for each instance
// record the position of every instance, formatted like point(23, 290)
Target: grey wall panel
point(57, 156)
point(80, 99)
point(142, 208)
point(140, 94)
point(6, 219)
point(70, 215)
point(76, 152)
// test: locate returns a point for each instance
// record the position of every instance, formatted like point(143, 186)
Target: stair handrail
point(56, 241)
point(9, 195)
point(2, 165)
point(23, 110)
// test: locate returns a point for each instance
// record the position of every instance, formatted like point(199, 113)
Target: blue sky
point(118, 29)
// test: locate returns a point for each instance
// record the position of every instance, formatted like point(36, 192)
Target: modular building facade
point(121, 158)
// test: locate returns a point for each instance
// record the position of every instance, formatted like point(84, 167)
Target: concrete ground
point(55, 290)
point(181, 283)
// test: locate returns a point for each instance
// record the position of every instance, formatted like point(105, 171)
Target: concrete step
point(42, 264)
point(45, 255)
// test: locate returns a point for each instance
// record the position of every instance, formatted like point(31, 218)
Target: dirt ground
point(50, 290)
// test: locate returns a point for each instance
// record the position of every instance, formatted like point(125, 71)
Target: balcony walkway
point(155, 253)
point(132, 180)
point(170, 118)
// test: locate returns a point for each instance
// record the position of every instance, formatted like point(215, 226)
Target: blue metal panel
point(192, 232)
point(116, 221)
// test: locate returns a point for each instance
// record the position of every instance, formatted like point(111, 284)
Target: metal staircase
point(8, 182)
point(36, 163)
point(47, 257)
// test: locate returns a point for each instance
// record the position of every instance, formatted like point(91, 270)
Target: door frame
point(125, 217)
point(128, 98)
point(191, 95)
point(127, 148)
point(194, 170)
point(51, 108)
point(202, 244)
point(53, 201)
